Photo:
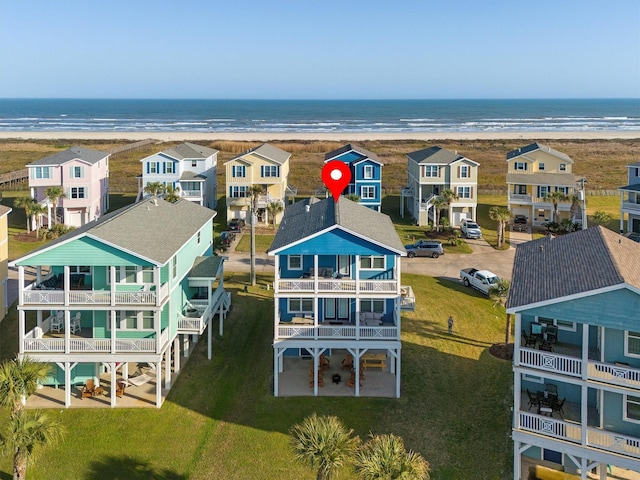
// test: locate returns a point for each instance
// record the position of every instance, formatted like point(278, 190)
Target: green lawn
point(222, 422)
point(263, 242)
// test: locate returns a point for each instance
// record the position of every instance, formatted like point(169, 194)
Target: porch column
point(158, 326)
point(402, 203)
point(220, 317)
point(356, 361)
point(315, 369)
point(276, 269)
point(38, 274)
point(167, 367)
point(39, 317)
point(315, 274)
point(21, 332)
point(67, 385)
point(112, 320)
point(20, 285)
point(176, 355)
point(517, 393)
point(276, 361)
point(156, 277)
point(114, 384)
point(112, 280)
point(158, 366)
point(398, 373)
point(67, 328)
point(185, 345)
point(66, 290)
point(209, 335)
point(621, 211)
point(516, 340)
point(357, 274)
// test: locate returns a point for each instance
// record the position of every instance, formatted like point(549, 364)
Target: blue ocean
point(319, 116)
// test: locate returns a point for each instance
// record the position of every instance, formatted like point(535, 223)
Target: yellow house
point(4, 259)
point(534, 174)
point(266, 167)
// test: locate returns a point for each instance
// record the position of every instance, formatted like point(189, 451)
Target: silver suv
point(425, 248)
point(470, 229)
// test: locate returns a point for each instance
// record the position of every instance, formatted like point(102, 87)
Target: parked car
point(425, 248)
point(520, 223)
point(470, 229)
point(235, 225)
point(633, 236)
point(481, 280)
point(227, 238)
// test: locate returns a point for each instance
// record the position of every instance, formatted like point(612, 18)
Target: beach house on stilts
point(117, 302)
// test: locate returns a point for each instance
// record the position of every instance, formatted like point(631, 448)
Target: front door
point(336, 309)
point(344, 265)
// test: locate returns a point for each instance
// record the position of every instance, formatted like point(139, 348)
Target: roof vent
point(542, 248)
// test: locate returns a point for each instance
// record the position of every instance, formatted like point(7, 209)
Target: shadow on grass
point(126, 468)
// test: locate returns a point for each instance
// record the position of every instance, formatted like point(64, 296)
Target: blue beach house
point(576, 301)
point(338, 300)
point(117, 302)
point(366, 174)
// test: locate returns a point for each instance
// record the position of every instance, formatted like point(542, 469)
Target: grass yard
point(222, 422)
point(263, 242)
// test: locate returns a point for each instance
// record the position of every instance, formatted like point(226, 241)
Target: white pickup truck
point(481, 280)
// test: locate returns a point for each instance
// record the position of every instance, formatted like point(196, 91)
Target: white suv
point(470, 229)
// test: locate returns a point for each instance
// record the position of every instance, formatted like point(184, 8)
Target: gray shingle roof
point(555, 179)
point(268, 151)
point(347, 148)
point(537, 146)
point(196, 177)
point(4, 210)
point(298, 224)
point(190, 150)
point(435, 155)
point(206, 267)
point(631, 188)
point(75, 152)
point(579, 262)
point(153, 230)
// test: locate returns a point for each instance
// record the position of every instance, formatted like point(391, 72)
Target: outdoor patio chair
point(89, 389)
point(551, 334)
point(75, 323)
point(57, 323)
point(347, 362)
point(556, 406)
point(529, 341)
point(533, 400)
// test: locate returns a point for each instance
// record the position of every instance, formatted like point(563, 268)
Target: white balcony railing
point(517, 197)
point(341, 332)
point(195, 324)
point(192, 193)
point(31, 296)
point(572, 432)
point(621, 375)
point(631, 206)
point(93, 345)
point(336, 285)
point(550, 362)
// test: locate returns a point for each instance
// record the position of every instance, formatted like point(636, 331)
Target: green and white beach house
point(128, 292)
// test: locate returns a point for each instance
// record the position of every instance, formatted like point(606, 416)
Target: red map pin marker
point(336, 176)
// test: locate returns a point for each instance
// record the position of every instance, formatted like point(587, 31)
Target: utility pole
point(583, 196)
point(253, 241)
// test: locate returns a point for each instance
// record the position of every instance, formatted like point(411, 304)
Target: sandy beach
point(334, 136)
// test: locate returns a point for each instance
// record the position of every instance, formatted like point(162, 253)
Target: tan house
point(266, 166)
point(4, 259)
point(431, 171)
point(533, 173)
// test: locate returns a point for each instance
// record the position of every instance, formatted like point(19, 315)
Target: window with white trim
point(371, 305)
point(430, 171)
point(564, 190)
point(194, 163)
point(541, 166)
point(368, 172)
point(133, 320)
point(41, 172)
point(300, 305)
point(270, 171)
point(520, 189)
point(238, 191)
point(153, 167)
point(238, 171)
point(80, 269)
point(464, 192)
point(77, 172)
point(632, 344)
point(632, 408)
point(520, 166)
point(563, 167)
point(543, 190)
point(132, 274)
point(567, 325)
point(169, 167)
point(78, 192)
point(294, 262)
point(465, 171)
point(368, 192)
point(372, 262)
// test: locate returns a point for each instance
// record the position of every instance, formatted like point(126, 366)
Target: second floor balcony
point(385, 328)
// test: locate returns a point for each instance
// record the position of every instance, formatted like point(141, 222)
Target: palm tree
point(172, 194)
point(19, 379)
point(449, 196)
point(274, 208)
point(384, 457)
point(601, 217)
point(499, 292)
point(555, 198)
point(501, 215)
point(323, 443)
point(37, 210)
point(438, 203)
point(154, 188)
point(27, 434)
point(26, 203)
point(54, 194)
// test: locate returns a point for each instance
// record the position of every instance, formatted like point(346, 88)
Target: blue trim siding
point(336, 242)
point(331, 261)
point(349, 157)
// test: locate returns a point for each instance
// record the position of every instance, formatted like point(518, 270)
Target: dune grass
point(222, 422)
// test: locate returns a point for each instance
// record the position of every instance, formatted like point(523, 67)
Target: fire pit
point(336, 379)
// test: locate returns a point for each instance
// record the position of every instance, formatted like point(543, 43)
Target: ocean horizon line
point(328, 99)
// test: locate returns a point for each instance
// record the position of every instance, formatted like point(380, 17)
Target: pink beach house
point(84, 176)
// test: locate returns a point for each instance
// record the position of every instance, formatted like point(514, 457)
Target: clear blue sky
point(320, 49)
